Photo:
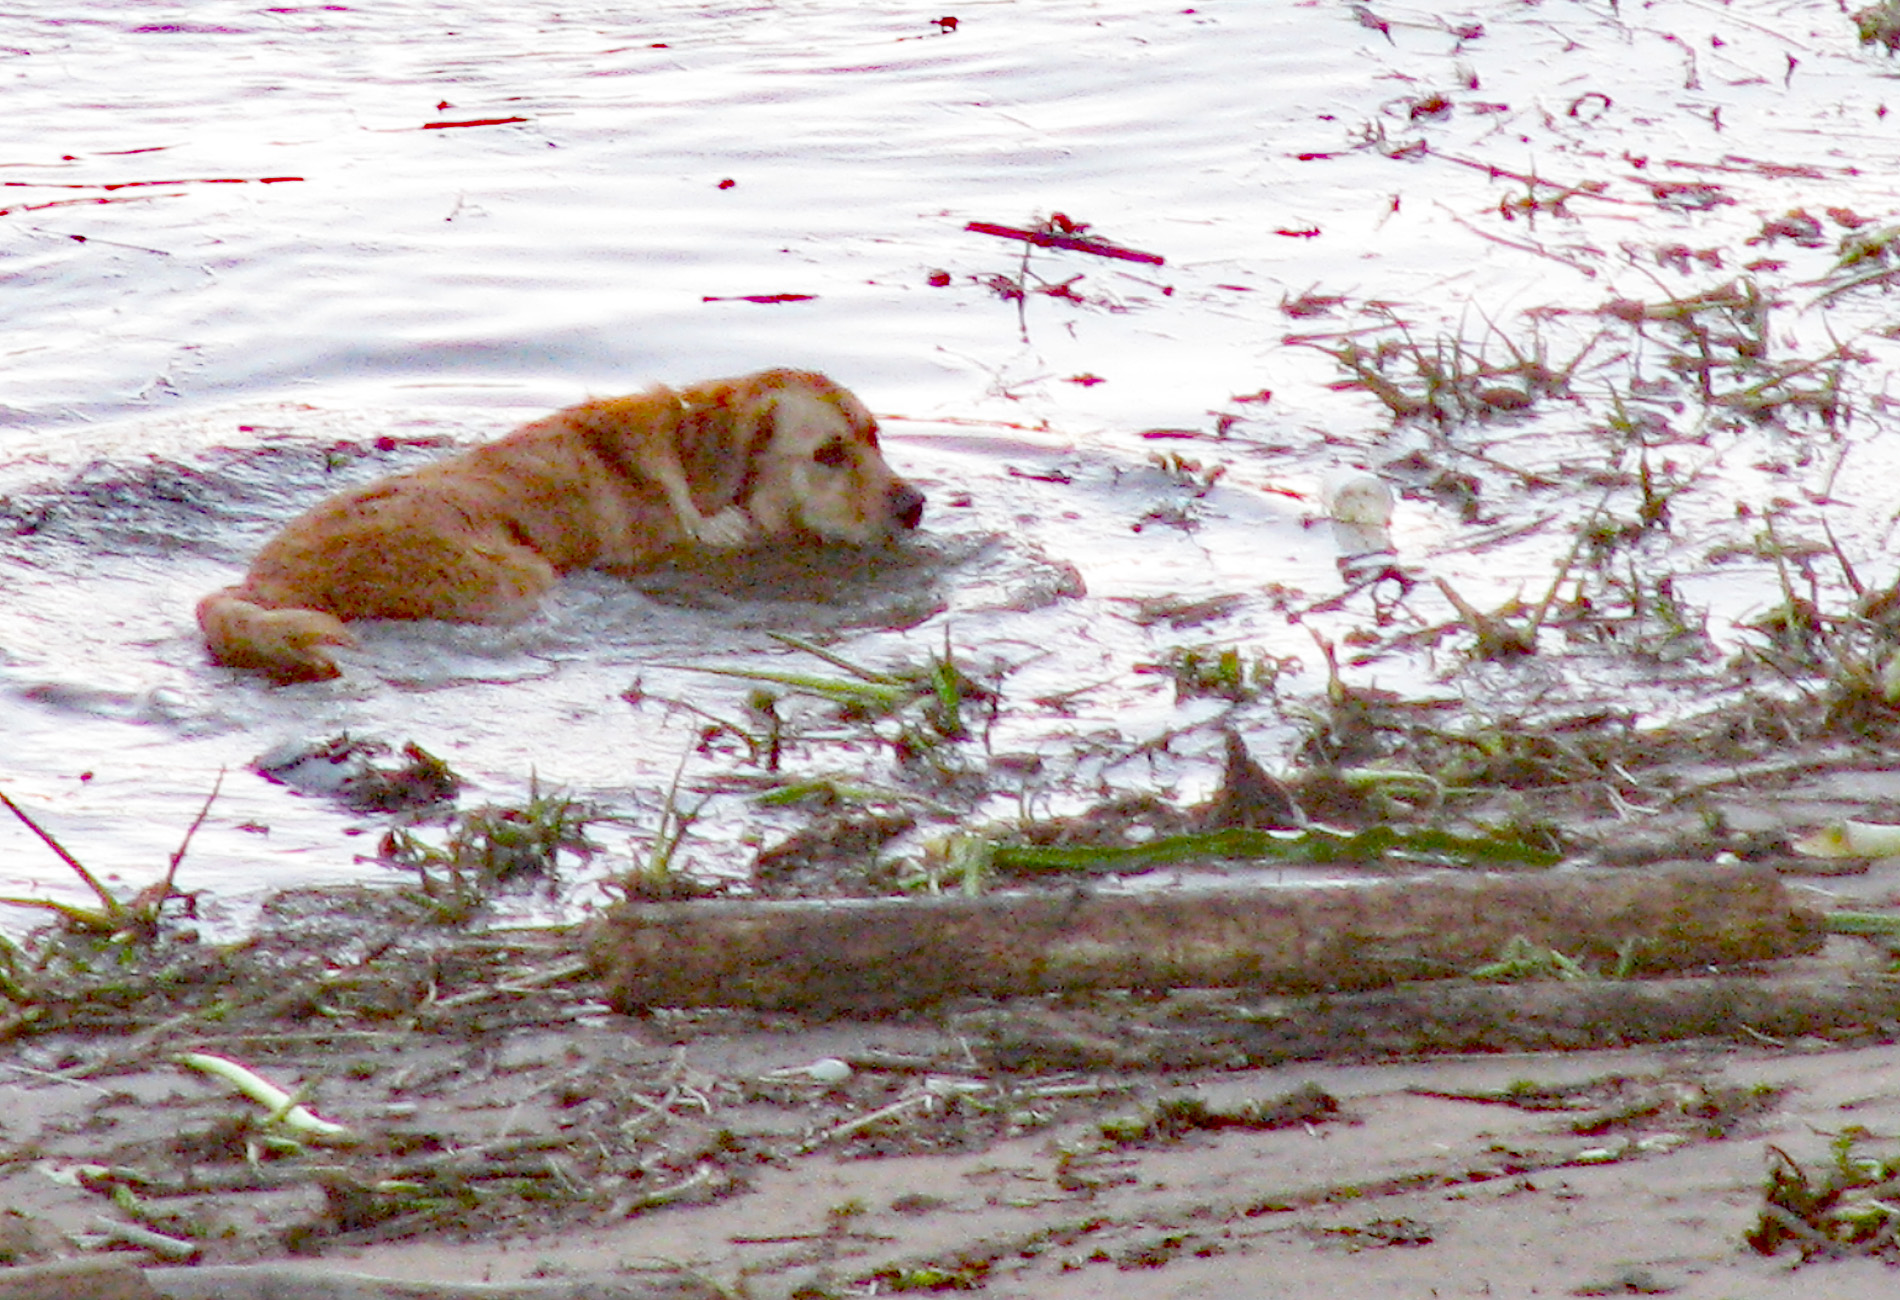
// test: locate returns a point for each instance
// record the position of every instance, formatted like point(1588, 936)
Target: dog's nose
point(906, 504)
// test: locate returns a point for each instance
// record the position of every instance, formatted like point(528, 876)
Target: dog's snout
point(906, 504)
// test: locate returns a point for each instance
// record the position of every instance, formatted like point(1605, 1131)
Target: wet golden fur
point(611, 484)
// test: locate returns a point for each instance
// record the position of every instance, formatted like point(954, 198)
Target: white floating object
point(1352, 496)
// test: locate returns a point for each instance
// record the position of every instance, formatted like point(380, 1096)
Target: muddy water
point(241, 246)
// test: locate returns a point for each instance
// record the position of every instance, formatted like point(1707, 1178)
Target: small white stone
point(827, 1070)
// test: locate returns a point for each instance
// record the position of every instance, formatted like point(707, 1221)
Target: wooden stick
point(874, 955)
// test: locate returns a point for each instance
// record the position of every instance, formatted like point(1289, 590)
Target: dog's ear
point(725, 429)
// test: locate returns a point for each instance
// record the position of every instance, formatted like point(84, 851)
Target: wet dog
point(614, 484)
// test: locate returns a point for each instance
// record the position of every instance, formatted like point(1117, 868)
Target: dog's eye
point(833, 454)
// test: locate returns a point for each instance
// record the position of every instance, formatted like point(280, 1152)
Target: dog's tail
point(284, 644)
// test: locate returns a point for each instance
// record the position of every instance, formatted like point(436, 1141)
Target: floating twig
point(109, 902)
point(1074, 241)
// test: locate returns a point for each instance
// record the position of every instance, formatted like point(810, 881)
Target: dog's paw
point(729, 529)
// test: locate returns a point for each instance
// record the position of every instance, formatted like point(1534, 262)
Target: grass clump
point(1846, 1208)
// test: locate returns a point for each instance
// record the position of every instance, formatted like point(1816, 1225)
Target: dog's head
point(813, 463)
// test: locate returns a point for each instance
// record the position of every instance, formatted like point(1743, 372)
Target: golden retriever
point(611, 484)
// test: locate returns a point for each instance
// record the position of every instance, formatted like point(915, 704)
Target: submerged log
point(1234, 1029)
point(873, 955)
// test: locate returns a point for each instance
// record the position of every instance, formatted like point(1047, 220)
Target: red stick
point(1075, 243)
point(479, 121)
point(760, 297)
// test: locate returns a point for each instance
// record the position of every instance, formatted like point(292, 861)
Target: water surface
point(250, 254)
